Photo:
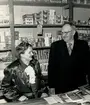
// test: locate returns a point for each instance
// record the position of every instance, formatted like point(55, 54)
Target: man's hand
point(52, 91)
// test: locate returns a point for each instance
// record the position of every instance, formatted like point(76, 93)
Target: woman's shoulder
point(13, 64)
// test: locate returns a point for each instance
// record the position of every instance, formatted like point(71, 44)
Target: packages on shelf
point(42, 0)
point(4, 20)
point(44, 68)
point(5, 39)
point(28, 19)
point(40, 41)
point(58, 1)
point(25, 0)
point(39, 30)
point(55, 1)
point(6, 57)
point(44, 17)
point(48, 38)
point(42, 55)
point(81, 1)
point(84, 34)
point(64, 1)
point(16, 35)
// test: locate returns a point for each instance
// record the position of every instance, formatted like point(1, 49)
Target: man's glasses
point(66, 32)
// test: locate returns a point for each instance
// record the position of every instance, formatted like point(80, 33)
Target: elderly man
point(68, 62)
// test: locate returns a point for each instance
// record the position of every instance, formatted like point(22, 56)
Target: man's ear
point(73, 32)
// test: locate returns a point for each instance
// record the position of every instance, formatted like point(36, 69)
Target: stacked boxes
point(44, 17)
point(82, 1)
point(38, 17)
point(8, 40)
point(59, 19)
point(4, 20)
point(55, 1)
point(58, 1)
point(51, 16)
point(28, 19)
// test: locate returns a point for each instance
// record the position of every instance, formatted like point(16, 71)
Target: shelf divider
point(11, 14)
point(31, 3)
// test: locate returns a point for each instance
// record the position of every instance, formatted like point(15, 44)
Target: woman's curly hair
point(20, 49)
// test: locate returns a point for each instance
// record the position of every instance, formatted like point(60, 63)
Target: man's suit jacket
point(67, 72)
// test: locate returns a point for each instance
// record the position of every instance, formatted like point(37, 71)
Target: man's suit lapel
point(74, 48)
point(64, 49)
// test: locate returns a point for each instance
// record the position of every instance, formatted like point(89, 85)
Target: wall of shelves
point(19, 8)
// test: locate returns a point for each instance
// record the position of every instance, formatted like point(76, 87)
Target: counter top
point(35, 102)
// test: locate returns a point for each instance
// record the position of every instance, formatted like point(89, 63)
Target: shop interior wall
point(79, 14)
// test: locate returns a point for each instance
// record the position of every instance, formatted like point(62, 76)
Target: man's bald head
point(68, 32)
point(67, 27)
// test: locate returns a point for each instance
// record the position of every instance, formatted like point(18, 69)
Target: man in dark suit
point(68, 62)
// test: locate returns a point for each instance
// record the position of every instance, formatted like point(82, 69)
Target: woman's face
point(27, 55)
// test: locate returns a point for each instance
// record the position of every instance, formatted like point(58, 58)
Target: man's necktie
point(69, 48)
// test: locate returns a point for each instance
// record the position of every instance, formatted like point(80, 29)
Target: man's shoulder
point(83, 42)
point(57, 42)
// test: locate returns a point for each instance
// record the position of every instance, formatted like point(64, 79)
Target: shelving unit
point(81, 5)
point(4, 26)
point(4, 50)
point(35, 26)
point(83, 26)
point(13, 26)
point(45, 4)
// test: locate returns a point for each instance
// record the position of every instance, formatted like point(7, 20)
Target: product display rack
point(4, 50)
point(35, 26)
point(13, 3)
point(13, 26)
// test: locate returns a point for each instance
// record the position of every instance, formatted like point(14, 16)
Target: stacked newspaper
point(80, 96)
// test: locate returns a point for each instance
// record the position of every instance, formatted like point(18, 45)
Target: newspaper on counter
point(79, 96)
point(74, 96)
point(64, 98)
point(85, 88)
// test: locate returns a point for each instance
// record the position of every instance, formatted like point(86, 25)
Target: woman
point(23, 76)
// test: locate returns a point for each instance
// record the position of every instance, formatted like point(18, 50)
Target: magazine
point(64, 98)
point(74, 96)
point(85, 88)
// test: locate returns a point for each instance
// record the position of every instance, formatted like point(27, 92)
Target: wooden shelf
point(81, 5)
point(44, 26)
point(35, 26)
point(41, 48)
point(52, 26)
point(82, 26)
point(2, 2)
point(43, 60)
point(4, 50)
point(31, 3)
point(24, 26)
point(4, 26)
